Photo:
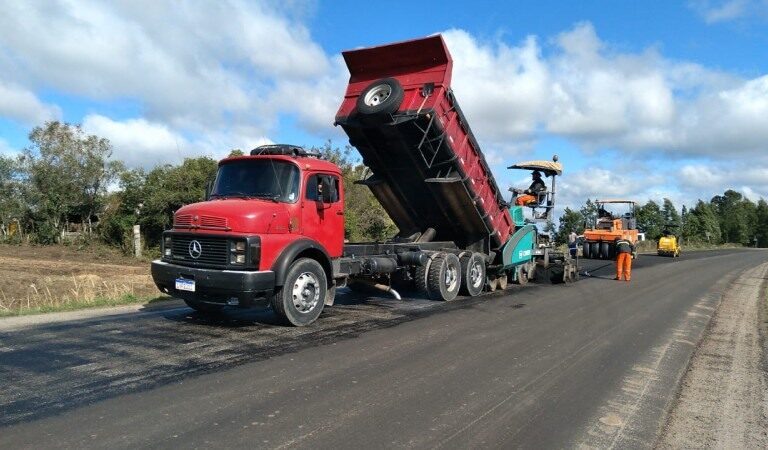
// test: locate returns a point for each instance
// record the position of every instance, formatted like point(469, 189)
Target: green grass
point(98, 302)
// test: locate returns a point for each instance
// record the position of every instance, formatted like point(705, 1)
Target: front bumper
point(248, 288)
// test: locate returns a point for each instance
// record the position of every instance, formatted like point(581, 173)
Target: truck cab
point(263, 211)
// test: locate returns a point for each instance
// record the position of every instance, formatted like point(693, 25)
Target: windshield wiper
point(236, 194)
point(267, 196)
point(243, 195)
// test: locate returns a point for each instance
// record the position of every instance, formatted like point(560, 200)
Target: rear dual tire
point(472, 274)
point(444, 277)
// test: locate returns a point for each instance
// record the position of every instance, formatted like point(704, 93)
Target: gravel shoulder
point(723, 399)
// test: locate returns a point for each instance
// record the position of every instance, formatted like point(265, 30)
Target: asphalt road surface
point(595, 363)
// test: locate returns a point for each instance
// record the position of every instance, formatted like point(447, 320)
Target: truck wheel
point(472, 274)
point(444, 278)
point(503, 282)
point(521, 275)
point(594, 250)
point(420, 278)
point(585, 250)
point(492, 284)
point(301, 299)
point(605, 250)
point(380, 97)
point(205, 308)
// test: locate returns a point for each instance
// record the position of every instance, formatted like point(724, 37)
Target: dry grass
point(36, 280)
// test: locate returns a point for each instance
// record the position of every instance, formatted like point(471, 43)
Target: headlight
point(167, 246)
point(237, 252)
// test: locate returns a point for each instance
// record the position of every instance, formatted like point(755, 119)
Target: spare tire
point(380, 97)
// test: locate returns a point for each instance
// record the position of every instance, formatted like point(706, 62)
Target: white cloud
point(139, 142)
point(706, 180)
point(500, 88)
point(599, 98)
point(20, 104)
point(603, 183)
point(218, 66)
point(314, 102)
point(716, 11)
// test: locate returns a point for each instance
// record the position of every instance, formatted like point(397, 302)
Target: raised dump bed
point(427, 168)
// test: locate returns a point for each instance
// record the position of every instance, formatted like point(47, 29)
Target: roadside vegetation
point(50, 278)
point(728, 220)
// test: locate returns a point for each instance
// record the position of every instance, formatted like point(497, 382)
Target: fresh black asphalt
point(591, 363)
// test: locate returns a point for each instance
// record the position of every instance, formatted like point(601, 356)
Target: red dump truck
point(272, 229)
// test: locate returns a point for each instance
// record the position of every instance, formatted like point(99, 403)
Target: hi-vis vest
point(623, 246)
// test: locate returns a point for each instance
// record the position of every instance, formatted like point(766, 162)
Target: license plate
point(185, 285)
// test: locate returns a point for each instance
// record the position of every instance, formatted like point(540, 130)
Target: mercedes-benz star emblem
point(195, 249)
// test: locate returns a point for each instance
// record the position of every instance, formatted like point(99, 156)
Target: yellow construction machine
point(669, 242)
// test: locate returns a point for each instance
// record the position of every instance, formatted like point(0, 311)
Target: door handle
point(339, 213)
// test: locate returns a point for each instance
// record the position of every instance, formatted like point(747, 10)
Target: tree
point(650, 219)
point(702, 224)
point(12, 207)
point(150, 199)
point(735, 216)
point(570, 221)
point(167, 188)
point(364, 217)
point(235, 152)
point(671, 216)
point(67, 174)
point(761, 228)
point(589, 213)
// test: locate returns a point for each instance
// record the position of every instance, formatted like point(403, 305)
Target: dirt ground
point(723, 401)
point(50, 276)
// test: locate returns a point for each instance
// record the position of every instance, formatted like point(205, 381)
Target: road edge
point(698, 352)
point(13, 323)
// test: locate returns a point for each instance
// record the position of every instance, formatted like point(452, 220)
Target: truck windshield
point(257, 178)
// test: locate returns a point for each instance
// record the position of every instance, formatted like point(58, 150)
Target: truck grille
point(204, 222)
point(182, 221)
point(213, 222)
point(213, 251)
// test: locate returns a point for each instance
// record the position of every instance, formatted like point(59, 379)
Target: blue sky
point(640, 99)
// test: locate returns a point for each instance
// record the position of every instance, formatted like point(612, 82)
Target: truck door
point(323, 212)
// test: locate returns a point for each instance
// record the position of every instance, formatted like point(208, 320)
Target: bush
point(45, 234)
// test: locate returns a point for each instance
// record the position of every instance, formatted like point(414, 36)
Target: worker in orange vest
point(624, 251)
point(530, 195)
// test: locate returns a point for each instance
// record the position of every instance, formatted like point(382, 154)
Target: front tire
point(301, 299)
